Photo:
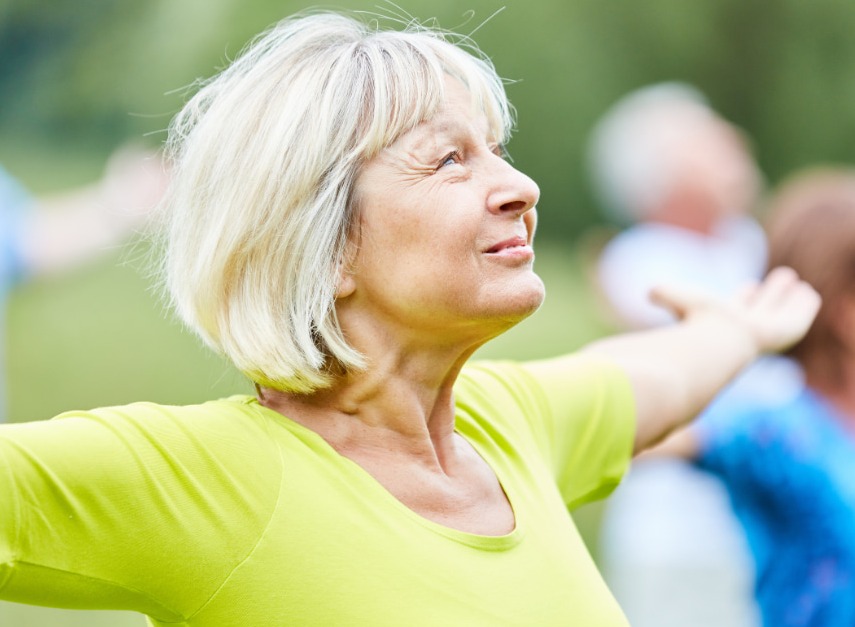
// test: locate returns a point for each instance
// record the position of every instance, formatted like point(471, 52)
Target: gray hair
point(265, 156)
point(631, 152)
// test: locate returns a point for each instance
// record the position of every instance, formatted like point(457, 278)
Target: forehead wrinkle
point(472, 123)
point(449, 129)
point(456, 123)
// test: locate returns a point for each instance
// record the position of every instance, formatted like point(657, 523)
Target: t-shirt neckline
point(353, 469)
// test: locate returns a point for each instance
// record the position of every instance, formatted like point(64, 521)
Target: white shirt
point(647, 255)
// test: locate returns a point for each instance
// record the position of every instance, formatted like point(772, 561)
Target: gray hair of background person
point(633, 153)
point(811, 226)
point(265, 155)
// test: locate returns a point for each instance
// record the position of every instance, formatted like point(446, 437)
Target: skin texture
point(675, 371)
point(433, 208)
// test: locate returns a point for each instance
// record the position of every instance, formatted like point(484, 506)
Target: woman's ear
point(346, 283)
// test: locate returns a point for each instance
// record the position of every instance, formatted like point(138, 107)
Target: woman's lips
point(514, 242)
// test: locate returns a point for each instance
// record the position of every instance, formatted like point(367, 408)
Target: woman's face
point(445, 231)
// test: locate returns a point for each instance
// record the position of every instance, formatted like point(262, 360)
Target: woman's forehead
point(457, 117)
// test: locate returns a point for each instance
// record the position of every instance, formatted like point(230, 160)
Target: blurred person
point(46, 235)
point(789, 468)
point(684, 179)
point(341, 223)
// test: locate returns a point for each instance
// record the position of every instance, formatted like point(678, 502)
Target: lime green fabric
point(227, 513)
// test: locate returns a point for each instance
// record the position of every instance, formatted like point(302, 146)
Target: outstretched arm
point(78, 225)
point(675, 371)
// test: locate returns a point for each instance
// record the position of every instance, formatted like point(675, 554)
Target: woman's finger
point(679, 300)
point(775, 287)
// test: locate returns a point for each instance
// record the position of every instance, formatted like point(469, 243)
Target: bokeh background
point(78, 79)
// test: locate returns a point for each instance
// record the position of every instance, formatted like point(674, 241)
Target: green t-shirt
point(227, 513)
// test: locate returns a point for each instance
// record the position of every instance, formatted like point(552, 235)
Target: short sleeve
point(120, 508)
point(587, 427)
point(576, 414)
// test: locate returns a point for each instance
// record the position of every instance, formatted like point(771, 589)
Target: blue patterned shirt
point(790, 472)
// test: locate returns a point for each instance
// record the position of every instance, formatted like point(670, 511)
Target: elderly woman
point(344, 227)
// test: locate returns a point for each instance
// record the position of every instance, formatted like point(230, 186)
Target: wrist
point(727, 331)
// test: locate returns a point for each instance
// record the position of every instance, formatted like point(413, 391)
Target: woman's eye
point(450, 159)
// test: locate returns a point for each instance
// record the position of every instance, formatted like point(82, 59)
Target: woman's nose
point(513, 192)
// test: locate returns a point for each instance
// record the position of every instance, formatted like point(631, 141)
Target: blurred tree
point(44, 67)
point(109, 69)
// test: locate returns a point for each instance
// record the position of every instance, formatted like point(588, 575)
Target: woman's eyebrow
point(456, 131)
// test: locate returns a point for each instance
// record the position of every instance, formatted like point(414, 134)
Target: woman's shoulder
point(146, 415)
point(532, 381)
point(230, 428)
point(566, 389)
point(494, 382)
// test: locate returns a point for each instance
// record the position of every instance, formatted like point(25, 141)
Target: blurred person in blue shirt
point(40, 236)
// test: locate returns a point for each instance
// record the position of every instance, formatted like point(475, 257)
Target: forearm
point(677, 370)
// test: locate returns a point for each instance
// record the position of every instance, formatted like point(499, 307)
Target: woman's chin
point(533, 296)
point(519, 304)
point(529, 307)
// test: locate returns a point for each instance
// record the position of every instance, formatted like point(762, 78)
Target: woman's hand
point(775, 313)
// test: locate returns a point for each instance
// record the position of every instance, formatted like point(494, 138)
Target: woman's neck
point(398, 403)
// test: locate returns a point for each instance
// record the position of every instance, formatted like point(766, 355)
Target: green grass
point(97, 336)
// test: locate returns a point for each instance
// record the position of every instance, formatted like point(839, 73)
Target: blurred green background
point(78, 79)
point(98, 71)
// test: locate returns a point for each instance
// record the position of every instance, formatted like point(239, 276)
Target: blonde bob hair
point(264, 158)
